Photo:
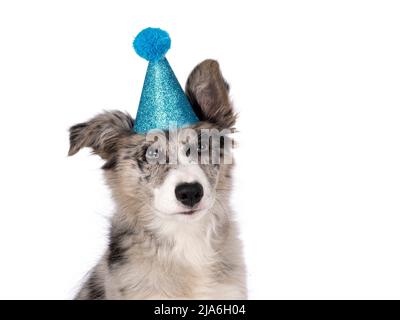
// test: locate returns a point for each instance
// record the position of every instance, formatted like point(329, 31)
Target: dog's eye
point(202, 147)
point(153, 153)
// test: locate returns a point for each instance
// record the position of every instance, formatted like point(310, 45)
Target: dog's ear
point(208, 93)
point(102, 133)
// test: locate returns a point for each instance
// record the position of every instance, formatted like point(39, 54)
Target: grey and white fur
point(160, 245)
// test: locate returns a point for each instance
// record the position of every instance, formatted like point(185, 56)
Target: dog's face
point(172, 175)
point(176, 172)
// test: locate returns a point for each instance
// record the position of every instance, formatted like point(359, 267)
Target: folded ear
point(208, 93)
point(102, 133)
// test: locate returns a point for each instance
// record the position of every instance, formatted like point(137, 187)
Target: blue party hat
point(163, 101)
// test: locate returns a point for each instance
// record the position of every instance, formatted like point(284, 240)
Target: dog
point(173, 234)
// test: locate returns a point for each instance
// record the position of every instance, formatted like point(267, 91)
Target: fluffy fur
point(154, 252)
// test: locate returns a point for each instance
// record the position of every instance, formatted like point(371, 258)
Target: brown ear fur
point(208, 93)
point(101, 133)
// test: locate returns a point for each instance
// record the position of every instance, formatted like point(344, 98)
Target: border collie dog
point(173, 234)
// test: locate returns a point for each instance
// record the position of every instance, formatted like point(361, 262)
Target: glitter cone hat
point(163, 102)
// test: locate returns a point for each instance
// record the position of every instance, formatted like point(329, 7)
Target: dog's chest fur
point(192, 264)
point(182, 267)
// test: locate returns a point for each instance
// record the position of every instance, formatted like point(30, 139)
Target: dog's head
point(173, 175)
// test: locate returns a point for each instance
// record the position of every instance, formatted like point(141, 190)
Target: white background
point(317, 84)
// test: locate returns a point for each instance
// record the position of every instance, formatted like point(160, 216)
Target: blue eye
point(153, 153)
point(202, 147)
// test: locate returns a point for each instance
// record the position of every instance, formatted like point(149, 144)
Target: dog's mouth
point(190, 212)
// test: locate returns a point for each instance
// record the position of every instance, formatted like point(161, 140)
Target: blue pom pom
point(152, 44)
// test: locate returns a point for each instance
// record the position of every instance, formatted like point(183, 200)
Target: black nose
point(189, 193)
